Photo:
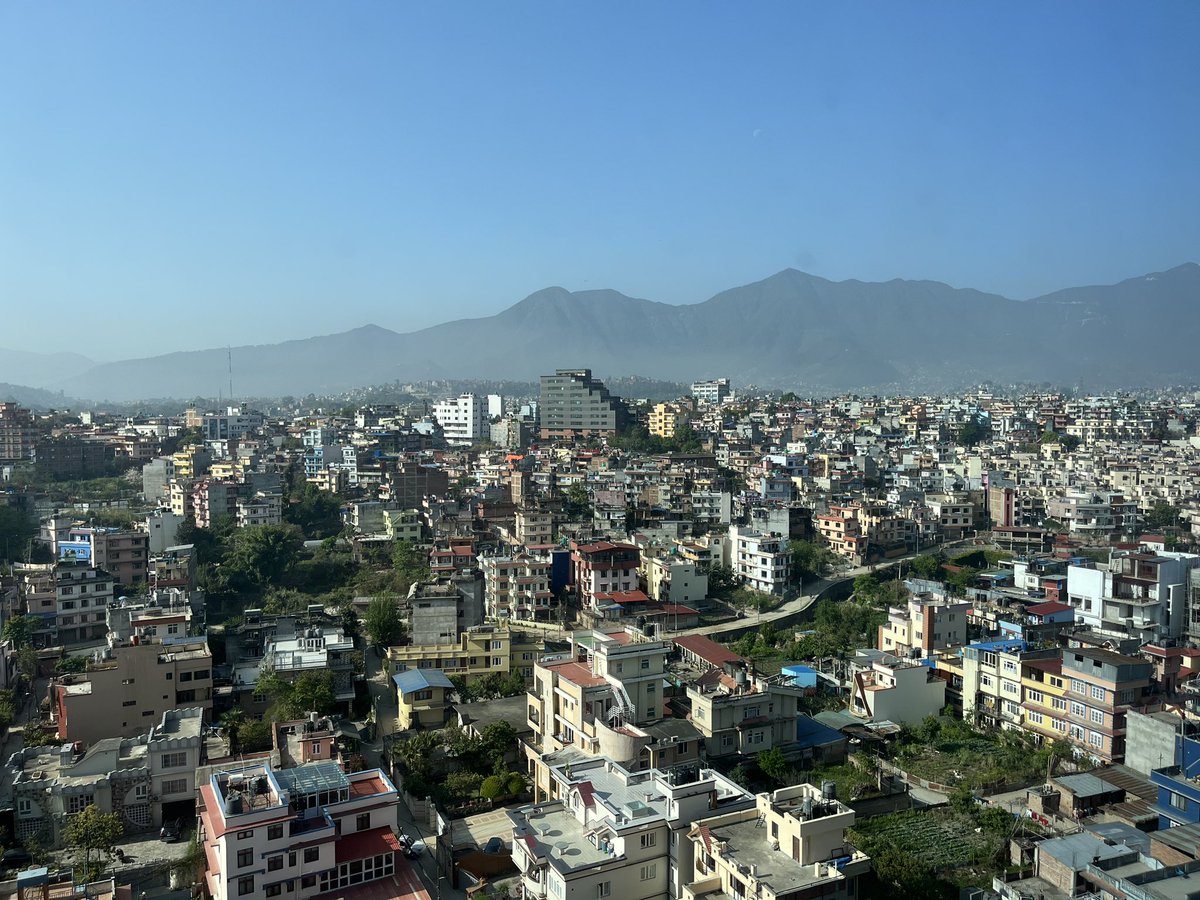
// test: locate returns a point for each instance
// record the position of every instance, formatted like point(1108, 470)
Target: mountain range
point(791, 330)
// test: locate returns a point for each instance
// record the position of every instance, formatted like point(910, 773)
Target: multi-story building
point(573, 405)
point(534, 527)
point(928, 623)
point(128, 684)
point(463, 419)
point(297, 648)
point(123, 554)
point(1083, 697)
point(82, 594)
point(790, 846)
point(594, 697)
point(761, 561)
point(234, 423)
point(1143, 594)
point(608, 832)
point(299, 832)
point(953, 513)
point(844, 535)
point(18, 434)
point(669, 578)
point(601, 568)
point(665, 418)
point(72, 457)
point(422, 698)
point(991, 680)
point(475, 652)
point(261, 509)
point(739, 714)
point(518, 588)
point(886, 688)
point(144, 780)
point(713, 391)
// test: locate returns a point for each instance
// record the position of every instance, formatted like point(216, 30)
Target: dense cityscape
point(729, 644)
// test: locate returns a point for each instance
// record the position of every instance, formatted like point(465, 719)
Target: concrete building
point(1143, 594)
point(534, 527)
point(926, 624)
point(886, 688)
point(790, 846)
point(517, 588)
point(475, 652)
point(609, 832)
point(298, 832)
point(233, 423)
point(595, 695)
point(82, 594)
point(574, 405)
point(670, 579)
point(423, 698)
point(161, 527)
point(713, 391)
point(123, 554)
point(261, 509)
point(603, 567)
point(464, 419)
point(145, 780)
point(296, 648)
point(738, 714)
point(18, 434)
point(761, 561)
point(439, 610)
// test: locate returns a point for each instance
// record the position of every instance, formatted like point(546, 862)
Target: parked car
point(411, 847)
point(171, 831)
point(494, 845)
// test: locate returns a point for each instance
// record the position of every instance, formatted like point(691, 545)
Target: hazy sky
point(186, 175)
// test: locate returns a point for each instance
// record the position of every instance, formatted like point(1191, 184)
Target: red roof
point(707, 649)
point(624, 597)
point(1047, 609)
point(362, 844)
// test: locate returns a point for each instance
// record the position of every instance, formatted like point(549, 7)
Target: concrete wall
point(1149, 742)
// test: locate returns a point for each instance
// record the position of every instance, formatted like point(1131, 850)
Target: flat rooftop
point(749, 845)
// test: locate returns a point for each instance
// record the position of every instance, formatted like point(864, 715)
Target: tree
point(16, 530)
point(254, 737)
point(410, 564)
point(264, 554)
point(315, 512)
point(927, 566)
point(94, 836)
point(774, 765)
point(576, 503)
point(19, 630)
point(1163, 515)
point(809, 560)
point(382, 622)
point(722, 582)
point(972, 432)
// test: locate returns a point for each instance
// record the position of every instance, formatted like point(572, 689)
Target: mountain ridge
point(791, 328)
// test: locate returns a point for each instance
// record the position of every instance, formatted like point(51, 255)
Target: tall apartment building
point(18, 434)
point(713, 391)
point(609, 832)
point(123, 554)
point(790, 846)
point(1143, 594)
point(534, 527)
point(573, 405)
point(233, 423)
point(82, 595)
point(1083, 697)
point(144, 780)
point(762, 561)
point(518, 588)
point(463, 419)
point(298, 832)
point(665, 417)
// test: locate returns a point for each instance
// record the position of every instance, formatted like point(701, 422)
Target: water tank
point(828, 790)
point(233, 804)
point(641, 622)
point(740, 678)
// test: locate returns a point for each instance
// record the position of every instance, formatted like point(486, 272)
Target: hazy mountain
point(25, 367)
point(791, 329)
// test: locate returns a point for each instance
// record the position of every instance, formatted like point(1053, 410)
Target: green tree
point(315, 512)
point(27, 662)
point(254, 737)
point(972, 432)
point(410, 563)
point(927, 566)
point(93, 836)
point(16, 531)
point(382, 622)
point(1163, 515)
point(774, 765)
point(19, 630)
point(576, 503)
point(264, 554)
point(722, 582)
point(809, 560)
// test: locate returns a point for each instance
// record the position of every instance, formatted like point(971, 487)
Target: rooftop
point(748, 846)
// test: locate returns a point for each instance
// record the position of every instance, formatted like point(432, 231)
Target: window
point(1036, 697)
point(245, 885)
point(1096, 739)
point(645, 664)
point(1098, 716)
point(1058, 703)
point(362, 822)
point(175, 786)
point(245, 858)
point(649, 872)
point(1078, 709)
point(175, 760)
point(274, 863)
point(1036, 718)
point(129, 703)
point(604, 889)
point(1078, 686)
point(649, 840)
point(1097, 692)
point(312, 854)
point(1178, 801)
point(273, 890)
point(756, 737)
point(185, 676)
point(986, 680)
point(497, 661)
point(245, 835)
point(274, 832)
point(78, 803)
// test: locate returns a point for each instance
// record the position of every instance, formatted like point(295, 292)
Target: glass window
point(245, 885)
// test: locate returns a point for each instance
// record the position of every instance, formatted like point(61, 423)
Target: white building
point(1143, 594)
point(462, 418)
point(761, 560)
point(614, 833)
point(886, 688)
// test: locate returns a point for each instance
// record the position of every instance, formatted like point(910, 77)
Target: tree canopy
point(93, 836)
point(382, 622)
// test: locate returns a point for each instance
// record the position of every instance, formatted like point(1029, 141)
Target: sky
point(188, 175)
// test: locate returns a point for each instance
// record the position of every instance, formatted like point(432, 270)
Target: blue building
point(1179, 785)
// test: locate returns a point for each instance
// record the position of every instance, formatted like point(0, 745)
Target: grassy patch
point(943, 838)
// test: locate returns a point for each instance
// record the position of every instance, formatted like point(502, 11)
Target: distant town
point(731, 645)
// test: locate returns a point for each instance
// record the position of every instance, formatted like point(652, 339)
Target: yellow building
point(422, 698)
point(481, 650)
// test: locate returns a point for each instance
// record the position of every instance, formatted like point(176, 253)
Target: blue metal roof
point(420, 680)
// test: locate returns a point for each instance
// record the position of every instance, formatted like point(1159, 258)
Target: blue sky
point(250, 172)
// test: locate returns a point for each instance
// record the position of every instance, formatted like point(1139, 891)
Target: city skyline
point(287, 171)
